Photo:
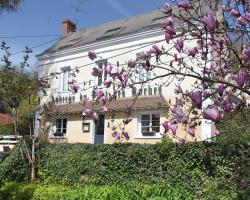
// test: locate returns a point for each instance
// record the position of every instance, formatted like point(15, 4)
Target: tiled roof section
point(142, 102)
point(5, 119)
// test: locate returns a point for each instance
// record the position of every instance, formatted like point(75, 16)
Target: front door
point(99, 130)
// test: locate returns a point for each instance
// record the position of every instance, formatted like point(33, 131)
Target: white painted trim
point(97, 45)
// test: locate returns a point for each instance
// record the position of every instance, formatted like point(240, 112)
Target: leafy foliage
point(9, 5)
point(6, 129)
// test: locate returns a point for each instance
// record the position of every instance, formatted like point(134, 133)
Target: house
point(115, 42)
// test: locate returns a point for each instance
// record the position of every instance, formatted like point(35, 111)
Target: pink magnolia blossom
point(169, 33)
point(181, 141)
point(131, 64)
point(92, 55)
point(241, 21)
point(155, 49)
point(225, 8)
point(196, 97)
point(215, 133)
point(247, 17)
point(116, 135)
point(178, 89)
point(241, 79)
point(185, 5)
point(166, 9)
point(165, 126)
point(95, 116)
point(96, 71)
point(209, 21)
point(213, 114)
point(127, 120)
point(193, 51)
point(125, 134)
point(167, 22)
point(146, 65)
point(243, 184)
point(75, 87)
point(234, 13)
point(245, 55)
point(108, 68)
point(191, 131)
point(99, 94)
point(179, 44)
point(227, 105)
point(173, 128)
point(108, 82)
point(104, 109)
point(88, 112)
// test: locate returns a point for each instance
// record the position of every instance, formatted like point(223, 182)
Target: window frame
point(62, 123)
point(140, 134)
point(62, 81)
point(104, 74)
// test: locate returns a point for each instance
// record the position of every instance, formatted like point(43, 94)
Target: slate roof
point(121, 27)
point(142, 102)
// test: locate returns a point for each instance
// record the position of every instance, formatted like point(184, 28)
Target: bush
point(6, 129)
point(22, 191)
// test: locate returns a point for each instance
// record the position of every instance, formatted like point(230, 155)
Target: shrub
point(6, 129)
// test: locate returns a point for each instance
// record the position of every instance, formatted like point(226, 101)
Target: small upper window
point(111, 32)
point(61, 127)
point(103, 76)
point(150, 124)
point(65, 73)
point(157, 21)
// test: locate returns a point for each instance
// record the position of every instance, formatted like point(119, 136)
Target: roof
point(5, 119)
point(108, 30)
point(135, 24)
point(142, 102)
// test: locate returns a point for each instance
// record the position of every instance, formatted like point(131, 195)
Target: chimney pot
point(68, 27)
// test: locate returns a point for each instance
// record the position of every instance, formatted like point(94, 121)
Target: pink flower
point(92, 55)
point(245, 55)
point(191, 131)
point(99, 94)
point(215, 133)
point(234, 13)
point(193, 51)
point(108, 68)
point(221, 89)
point(173, 128)
point(209, 21)
point(96, 71)
point(125, 134)
point(226, 9)
point(213, 114)
point(181, 141)
point(155, 49)
point(241, 79)
point(116, 135)
point(196, 98)
point(165, 126)
point(167, 22)
point(185, 5)
point(95, 116)
point(88, 112)
point(127, 120)
point(241, 21)
point(242, 184)
point(169, 33)
point(108, 82)
point(131, 64)
point(179, 44)
point(178, 89)
point(227, 105)
point(166, 9)
point(247, 17)
point(146, 65)
point(104, 109)
point(75, 87)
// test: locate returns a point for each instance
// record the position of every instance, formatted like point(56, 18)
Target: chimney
point(68, 27)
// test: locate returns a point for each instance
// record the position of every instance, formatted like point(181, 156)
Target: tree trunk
point(33, 160)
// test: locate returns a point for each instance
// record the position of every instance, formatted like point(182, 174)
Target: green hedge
point(200, 168)
point(24, 191)
point(6, 129)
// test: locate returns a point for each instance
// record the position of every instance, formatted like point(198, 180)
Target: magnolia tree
point(218, 62)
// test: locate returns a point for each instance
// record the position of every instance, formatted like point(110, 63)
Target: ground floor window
point(150, 123)
point(61, 127)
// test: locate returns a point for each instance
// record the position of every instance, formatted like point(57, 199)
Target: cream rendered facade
point(120, 49)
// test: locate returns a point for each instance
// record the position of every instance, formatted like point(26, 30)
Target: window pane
point(145, 117)
point(145, 129)
point(156, 129)
point(145, 123)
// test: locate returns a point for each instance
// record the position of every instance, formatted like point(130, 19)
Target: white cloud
point(118, 7)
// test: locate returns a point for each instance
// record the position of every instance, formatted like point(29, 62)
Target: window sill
point(157, 136)
point(57, 137)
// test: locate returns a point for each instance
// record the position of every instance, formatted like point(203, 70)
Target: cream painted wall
point(81, 60)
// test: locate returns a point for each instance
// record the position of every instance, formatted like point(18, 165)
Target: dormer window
point(111, 32)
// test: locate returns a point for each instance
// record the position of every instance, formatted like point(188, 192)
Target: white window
point(65, 73)
point(149, 125)
point(101, 64)
point(60, 127)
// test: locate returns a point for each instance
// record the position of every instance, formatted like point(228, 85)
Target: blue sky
point(44, 17)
